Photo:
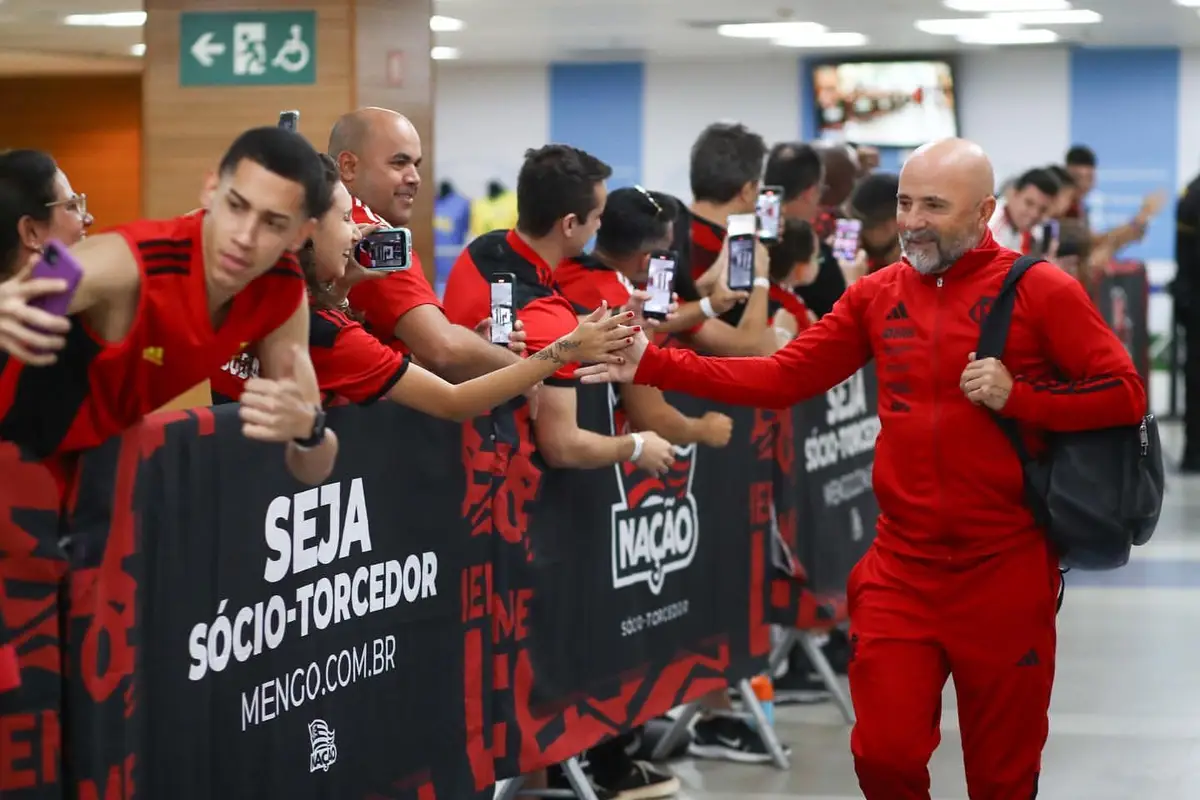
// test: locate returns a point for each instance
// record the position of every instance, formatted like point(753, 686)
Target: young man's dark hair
point(1064, 177)
point(1081, 155)
point(287, 154)
point(557, 181)
point(1041, 179)
point(797, 245)
point(26, 190)
point(634, 221)
point(874, 198)
point(794, 166)
point(725, 157)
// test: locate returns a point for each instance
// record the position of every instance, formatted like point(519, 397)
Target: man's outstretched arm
point(821, 357)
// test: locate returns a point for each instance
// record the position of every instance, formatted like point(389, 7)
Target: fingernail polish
point(637, 329)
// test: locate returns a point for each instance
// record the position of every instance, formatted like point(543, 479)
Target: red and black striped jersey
point(383, 301)
point(542, 309)
point(97, 389)
point(586, 281)
point(707, 238)
point(351, 364)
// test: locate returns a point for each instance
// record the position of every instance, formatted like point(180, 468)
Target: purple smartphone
point(57, 262)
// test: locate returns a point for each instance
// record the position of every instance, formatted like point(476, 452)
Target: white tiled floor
point(1125, 720)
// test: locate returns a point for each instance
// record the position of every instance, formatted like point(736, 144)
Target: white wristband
point(706, 307)
point(762, 283)
point(638, 444)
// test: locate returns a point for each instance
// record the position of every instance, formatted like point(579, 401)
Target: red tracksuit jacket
point(948, 482)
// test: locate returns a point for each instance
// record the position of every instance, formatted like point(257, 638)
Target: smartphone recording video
point(502, 308)
point(740, 228)
point(770, 213)
point(289, 120)
point(845, 239)
point(660, 284)
point(387, 250)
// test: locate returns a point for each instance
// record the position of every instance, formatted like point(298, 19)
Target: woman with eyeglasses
point(353, 366)
point(37, 204)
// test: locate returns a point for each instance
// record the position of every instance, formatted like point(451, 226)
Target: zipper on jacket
point(937, 392)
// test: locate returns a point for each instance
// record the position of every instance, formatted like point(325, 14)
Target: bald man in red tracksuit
point(960, 581)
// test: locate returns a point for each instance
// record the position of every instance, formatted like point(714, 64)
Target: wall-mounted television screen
point(895, 103)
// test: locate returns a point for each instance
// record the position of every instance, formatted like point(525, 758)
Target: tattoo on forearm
point(558, 352)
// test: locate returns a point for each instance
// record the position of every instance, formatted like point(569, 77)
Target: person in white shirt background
point(1022, 209)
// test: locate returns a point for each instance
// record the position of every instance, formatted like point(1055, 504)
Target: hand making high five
point(618, 370)
point(278, 410)
point(601, 337)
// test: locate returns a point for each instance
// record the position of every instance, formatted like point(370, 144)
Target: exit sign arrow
point(204, 49)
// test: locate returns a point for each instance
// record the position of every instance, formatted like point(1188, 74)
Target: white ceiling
point(33, 40)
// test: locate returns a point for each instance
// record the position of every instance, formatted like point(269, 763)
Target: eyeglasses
point(76, 203)
point(658, 209)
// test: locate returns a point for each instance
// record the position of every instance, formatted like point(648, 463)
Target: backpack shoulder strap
point(993, 331)
point(993, 336)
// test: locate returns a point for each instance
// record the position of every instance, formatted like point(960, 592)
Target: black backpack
point(1095, 493)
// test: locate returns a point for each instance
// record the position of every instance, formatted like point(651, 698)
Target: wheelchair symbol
point(295, 53)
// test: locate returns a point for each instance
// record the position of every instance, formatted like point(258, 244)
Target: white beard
point(942, 257)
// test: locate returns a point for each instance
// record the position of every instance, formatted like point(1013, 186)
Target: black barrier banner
point(236, 634)
point(1123, 296)
point(835, 505)
point(624, 594)
point(32, 567)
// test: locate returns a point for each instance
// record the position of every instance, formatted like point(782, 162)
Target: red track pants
point(990, 624)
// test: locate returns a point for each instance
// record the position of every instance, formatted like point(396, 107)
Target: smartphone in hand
point(386, 250)
point(502, 307)
point(845, 239)
point(660, 285)
point(740, 230)
point(57, 262)
point(770, 213)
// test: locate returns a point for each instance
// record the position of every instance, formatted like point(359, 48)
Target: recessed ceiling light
point(1075, 16)
point(955, 27)
point(819, 40)
point(116, 19)
point(770, 30)
point(1188, 3)
point(1003, 37)
point(989, 6)
point(138, 49)
point(440, 24)
point(444, 53)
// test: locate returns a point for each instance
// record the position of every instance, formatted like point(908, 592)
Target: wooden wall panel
point(92, 126)
point(187, 130)
point(394, 70)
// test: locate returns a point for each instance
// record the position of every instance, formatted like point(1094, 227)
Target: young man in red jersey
point(960, 580)
point(378, 153)
point(163, 304)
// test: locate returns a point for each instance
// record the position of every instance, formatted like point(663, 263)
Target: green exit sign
point(253, 48)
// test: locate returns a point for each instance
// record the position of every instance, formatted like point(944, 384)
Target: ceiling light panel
point(440, 24)
point(771, 30)
point(964, 25)
point(1011, 37)
point(116, 19)
point(1076, 16)
point(991, 6)
point(823, 40)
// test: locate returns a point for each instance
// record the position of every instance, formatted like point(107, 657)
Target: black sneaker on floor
point(643, 782)
point(556, 778)
point(728, 737)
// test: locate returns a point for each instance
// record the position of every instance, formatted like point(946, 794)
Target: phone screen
point(845, 239)
point(289, 120)
point(502, 308)
point(770, 218)
point(660, 284)
point(741, 251)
